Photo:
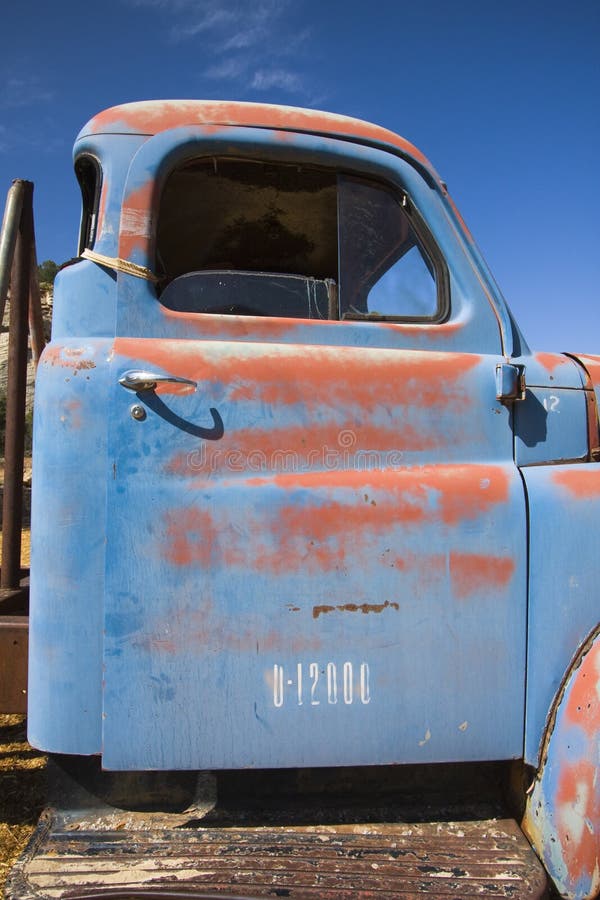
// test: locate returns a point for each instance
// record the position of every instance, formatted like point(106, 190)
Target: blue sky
point(503, 97)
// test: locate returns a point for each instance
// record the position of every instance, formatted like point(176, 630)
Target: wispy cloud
point(214, 20)
point(18, 92)
point(258, 47)
point(266, 79)
point(227, 70)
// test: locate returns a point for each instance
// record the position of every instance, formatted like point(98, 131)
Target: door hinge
point(510, 382)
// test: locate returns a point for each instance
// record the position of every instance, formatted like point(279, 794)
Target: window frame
point(425, 239)
point(90, 199)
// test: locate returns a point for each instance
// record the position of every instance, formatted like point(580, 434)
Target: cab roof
point(149, 117)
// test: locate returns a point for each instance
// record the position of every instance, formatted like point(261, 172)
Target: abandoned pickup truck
point(314, 591)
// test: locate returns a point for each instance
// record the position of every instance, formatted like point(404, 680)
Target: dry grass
point(25, 546)
point(22, 791)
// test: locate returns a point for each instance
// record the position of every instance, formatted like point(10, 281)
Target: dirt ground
point(22, 769)
point(22, 791)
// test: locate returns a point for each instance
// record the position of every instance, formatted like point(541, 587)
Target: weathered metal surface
point(562, 817)
point(14, 440)
point(36, 321)
point(13, 663)
point(8, 236)
point(564, 573)
point(261, 563)
point(153, 116)
point(346, 862)
point(319, 554)
point(68, 547)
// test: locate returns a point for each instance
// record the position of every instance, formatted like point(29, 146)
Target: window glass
point(240, 237)
point(384, 270)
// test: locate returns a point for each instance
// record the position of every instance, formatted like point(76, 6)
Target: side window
point(385, 271)
point(87, 170)
point(240, 237)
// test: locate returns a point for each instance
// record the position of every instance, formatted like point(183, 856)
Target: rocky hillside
point(46, 293)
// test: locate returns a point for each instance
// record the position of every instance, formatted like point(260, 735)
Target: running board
point(258, 836)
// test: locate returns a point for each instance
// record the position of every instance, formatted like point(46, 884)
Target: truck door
point(316, 531)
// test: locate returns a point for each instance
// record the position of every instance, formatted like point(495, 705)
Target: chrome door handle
point(139, 380)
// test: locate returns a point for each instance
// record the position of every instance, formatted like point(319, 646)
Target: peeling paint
point(153, 116)
point(364, 608)
point(562, 817)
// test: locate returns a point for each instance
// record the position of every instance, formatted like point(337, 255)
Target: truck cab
point(316, 505)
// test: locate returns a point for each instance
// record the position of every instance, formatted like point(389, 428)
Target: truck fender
point(562, 813)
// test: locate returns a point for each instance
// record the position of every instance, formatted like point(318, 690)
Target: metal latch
point(510, 382)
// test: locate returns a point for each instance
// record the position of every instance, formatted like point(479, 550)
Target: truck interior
point(243, 237)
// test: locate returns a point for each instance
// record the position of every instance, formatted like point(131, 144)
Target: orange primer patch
point(102, 206)
point(578, 804)
point(473, 572)
point(582, 483)
point(551, 361)
point(190, 537)
point(424, 380)
point(152, 117)
point(72, 413)
point(223, 327)
point(583, 708)
point(136, 217)
point(327, 529)
point(299, 374)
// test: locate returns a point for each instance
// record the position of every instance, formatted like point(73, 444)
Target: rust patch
point(473, 572)
point(592, 365)
point(67, 358)
point(364, 608)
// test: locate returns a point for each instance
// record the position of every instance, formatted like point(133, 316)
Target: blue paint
point(381, 564)
point(564, 572)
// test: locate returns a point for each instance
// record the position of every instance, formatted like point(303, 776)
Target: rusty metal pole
point(8, 236)
point(36, 320)
point(12, 505)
